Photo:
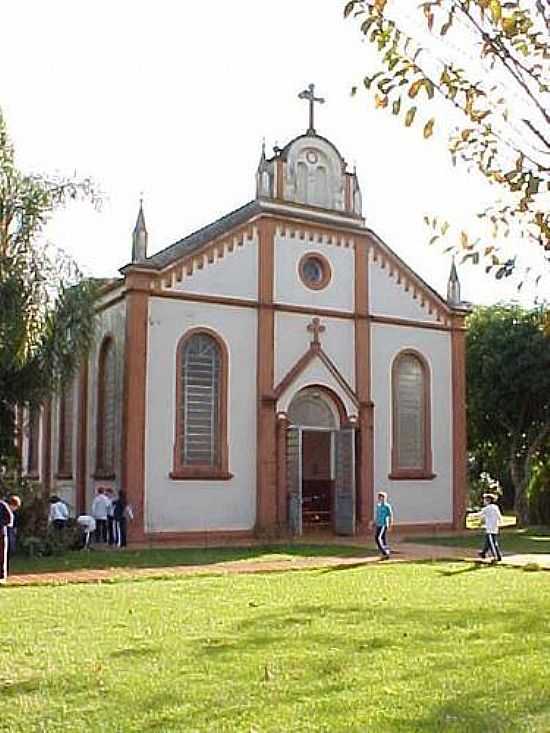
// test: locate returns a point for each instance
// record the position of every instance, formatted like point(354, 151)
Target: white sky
point(172, 98)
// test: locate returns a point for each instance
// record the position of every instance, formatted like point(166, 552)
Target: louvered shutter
point(409, 413)
point(200, 389)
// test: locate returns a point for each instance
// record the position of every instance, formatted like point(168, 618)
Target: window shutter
point(410, 413)
point(200, 388)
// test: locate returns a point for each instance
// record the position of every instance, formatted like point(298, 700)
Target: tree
point(488, 60)
point(508, 391)
point(46, 307)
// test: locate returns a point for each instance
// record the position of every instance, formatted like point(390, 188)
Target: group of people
point(490, 516)
point(107, 521)
point(111, 514)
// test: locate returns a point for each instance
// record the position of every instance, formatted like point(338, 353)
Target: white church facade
point(268, 374)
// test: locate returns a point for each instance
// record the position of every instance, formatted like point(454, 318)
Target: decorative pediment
point(315, 367)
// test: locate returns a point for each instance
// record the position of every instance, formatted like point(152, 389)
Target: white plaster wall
point(289, 250)
point(388, 297)
point(111, 321)
point(414, 501)
point(292, 340)
point(200, 505)
point(235, 275)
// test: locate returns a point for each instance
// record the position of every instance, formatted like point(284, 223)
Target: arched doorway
point(320, 463)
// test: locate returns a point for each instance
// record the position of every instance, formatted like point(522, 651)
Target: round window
point(314, 271)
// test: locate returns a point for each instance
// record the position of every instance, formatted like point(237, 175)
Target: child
point(59, 514)
point(122, 511)
point(492, 518)
point(100, 508)
point(384, 518)
point(7, 508)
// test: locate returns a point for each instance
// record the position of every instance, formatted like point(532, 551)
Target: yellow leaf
point(464, 239)
point(380, 101)
point(429, 128)
point(496, 10)
point(415, 86)
point(409, 117)
point(380, 5)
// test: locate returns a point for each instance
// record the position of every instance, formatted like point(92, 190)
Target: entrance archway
point(320, 463)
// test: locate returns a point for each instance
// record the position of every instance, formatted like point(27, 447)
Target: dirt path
point(404, 552)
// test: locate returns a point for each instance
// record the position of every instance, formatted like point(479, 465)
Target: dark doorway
point(317, 482)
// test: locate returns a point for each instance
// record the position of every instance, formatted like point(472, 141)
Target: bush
point(35, 537)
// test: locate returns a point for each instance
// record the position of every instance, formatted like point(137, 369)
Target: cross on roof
point(309, 94)
point(316, 328)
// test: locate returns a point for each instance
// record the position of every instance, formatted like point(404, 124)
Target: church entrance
point(320, 466)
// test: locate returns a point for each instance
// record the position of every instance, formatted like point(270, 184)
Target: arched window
point(200, 448)
point(33, 442)
point(65, 433)
point(411, 438)
point(106, 401)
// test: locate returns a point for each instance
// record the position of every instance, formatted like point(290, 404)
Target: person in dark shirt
point(7, 508)
point(122, 511)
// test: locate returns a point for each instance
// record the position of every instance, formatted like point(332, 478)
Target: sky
point(171, 99)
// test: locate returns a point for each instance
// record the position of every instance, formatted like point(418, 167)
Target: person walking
point(7, 508)
point(100, 511)
point(122, 511)
point(383, 521)
point(492, 518)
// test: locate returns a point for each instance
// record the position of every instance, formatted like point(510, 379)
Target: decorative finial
point(139, 236)
point(309, 94)
point(453, 286)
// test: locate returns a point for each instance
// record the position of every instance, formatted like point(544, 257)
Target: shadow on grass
point(469, 568)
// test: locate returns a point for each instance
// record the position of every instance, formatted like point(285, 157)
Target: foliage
point(427, 647)
point(488, 62)
point(482, 484)
point(508, 383)
point(47, 313)
point(539, 491)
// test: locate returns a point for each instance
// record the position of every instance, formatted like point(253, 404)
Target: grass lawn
point(512, 541)
point(147, 558)
point(387, 648)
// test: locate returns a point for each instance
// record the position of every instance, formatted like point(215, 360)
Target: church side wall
point(289, 289)
point(204, 505)
point(414, 501)
point(110, 322)
point(61, 486)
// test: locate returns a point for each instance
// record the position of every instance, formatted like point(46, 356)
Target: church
point(268, 374)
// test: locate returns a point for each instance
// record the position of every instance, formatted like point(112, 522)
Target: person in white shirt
point(100, 510)
point(87, 525)
point(59, 514)
point(492, 518)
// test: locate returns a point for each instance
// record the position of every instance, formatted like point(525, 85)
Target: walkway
point(404, 552)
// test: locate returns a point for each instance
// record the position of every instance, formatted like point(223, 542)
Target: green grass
point(512, 541)
point(425, 647)
point(150, 558)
